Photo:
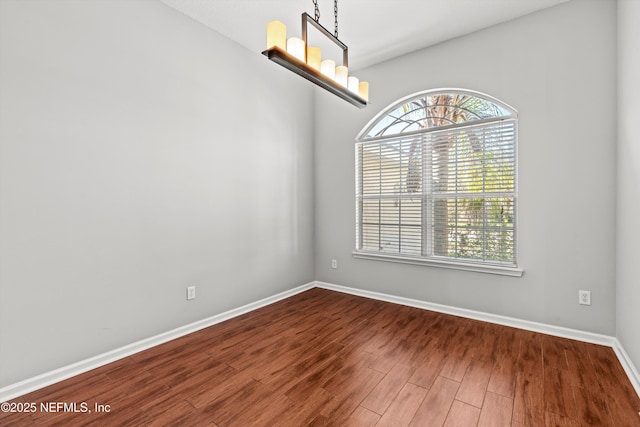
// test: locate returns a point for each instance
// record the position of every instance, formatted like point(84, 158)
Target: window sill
point(443, 263)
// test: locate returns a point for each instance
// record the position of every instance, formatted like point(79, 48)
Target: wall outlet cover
point(584, 297)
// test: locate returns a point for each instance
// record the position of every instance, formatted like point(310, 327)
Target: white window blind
point(446, 192)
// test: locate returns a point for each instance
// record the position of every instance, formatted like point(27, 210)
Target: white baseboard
point(31, 384)
point(627, 365)
point(558, 331)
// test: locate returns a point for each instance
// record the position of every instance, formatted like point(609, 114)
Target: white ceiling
point(374, 30)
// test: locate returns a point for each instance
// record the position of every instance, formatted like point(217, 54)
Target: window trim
point(442, 263)
point(498, 268)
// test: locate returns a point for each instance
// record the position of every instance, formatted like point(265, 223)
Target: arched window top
point(435, 109)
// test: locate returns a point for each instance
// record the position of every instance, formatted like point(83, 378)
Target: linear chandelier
point(306, 61)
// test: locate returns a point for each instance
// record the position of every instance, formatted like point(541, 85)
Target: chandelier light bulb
point(353, 84)
point(314, 57)
point(328, 68)
point(363, 90)
point(295, 48)
point(342, 73)
point(276, 35)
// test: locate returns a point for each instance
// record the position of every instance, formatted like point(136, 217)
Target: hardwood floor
point(324, 358)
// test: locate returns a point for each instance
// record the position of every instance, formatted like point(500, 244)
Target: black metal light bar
point(301, 68)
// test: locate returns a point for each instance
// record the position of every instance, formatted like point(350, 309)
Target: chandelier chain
point(335, 15)
point(316, 16)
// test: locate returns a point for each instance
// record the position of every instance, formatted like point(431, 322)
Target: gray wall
point(628, 243)
point(139, 155)
point(557, 67)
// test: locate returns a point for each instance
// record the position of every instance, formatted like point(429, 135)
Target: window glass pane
point(434, 110)
point(392, 225)
point(474, 228)
point(371, 237)
point(411, 226)
point(389, 241)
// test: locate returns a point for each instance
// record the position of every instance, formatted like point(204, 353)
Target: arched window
point(436, 182)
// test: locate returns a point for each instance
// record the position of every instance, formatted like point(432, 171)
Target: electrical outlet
point(584, 297)
point(334, 263)
point(191, 292)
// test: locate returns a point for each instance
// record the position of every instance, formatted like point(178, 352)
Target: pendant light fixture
point(296, 55)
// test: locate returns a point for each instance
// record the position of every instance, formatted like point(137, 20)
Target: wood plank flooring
point(323, 358)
